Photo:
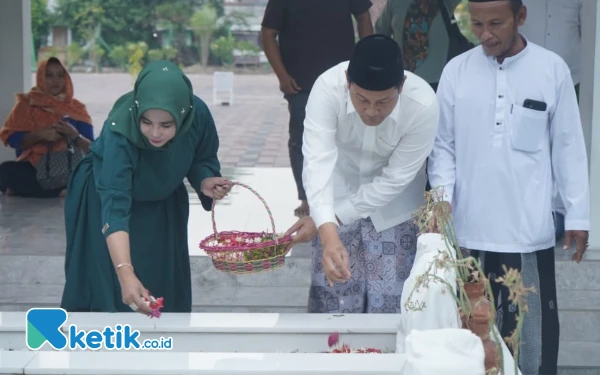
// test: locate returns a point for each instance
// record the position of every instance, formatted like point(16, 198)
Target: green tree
point(124, 21)
point(136, 53)
point(238, 19)
point(95, 54)
point(74, 54)
point(247, 47)
point(204, 23)
point(223, 48)
point(170, 53)
point(218, 6)
point(155, 54)
point(128, 21)
point(41, 22)
point(118, 56)
point(175, 16)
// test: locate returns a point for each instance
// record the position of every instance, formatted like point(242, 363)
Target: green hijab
point(160, 85)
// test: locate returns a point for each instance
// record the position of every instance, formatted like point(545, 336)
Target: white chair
point(223, 81)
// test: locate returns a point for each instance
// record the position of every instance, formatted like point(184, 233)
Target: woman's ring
point(133, 306)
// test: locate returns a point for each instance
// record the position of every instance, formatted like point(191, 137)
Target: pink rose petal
point(334, 338)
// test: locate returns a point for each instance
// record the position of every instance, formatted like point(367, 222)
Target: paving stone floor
point(253, 131)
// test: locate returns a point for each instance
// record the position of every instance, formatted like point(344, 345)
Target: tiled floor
point(253, 131)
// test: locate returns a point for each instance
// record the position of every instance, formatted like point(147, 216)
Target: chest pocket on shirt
point(528, 129)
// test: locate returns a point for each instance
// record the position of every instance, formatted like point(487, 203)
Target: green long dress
point(126, 184)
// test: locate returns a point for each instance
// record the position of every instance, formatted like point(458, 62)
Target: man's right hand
point(336, 264)
point(305, 230)
point(288, 85)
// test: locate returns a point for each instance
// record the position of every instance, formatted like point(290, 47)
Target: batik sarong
point(380, 262)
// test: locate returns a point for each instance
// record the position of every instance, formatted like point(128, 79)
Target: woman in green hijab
point(126, 211)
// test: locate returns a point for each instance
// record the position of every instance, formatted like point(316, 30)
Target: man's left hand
point(581, 238)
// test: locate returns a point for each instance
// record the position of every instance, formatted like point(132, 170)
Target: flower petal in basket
point(246, 252)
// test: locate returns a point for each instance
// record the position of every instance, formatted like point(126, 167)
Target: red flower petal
point(334, 338)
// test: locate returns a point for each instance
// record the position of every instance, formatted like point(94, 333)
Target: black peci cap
point(376, 64)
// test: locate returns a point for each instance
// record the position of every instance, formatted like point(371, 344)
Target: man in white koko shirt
point(368, 130)
point(509, 126)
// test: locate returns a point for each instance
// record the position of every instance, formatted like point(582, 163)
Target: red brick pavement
point(253, 131)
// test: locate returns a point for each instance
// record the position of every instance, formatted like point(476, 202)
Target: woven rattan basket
point(246, 252)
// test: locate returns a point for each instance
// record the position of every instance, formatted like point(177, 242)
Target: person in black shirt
point(302, 39)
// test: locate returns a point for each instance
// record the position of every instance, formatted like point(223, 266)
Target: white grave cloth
point(431, 337)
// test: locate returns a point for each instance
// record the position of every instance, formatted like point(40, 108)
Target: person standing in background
point(302, 39)
point(556, 26)
point(419, 29)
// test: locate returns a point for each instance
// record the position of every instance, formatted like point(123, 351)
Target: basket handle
point(214, 223)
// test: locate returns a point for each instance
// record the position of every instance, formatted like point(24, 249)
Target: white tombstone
point(451, 351)
point(223, 82)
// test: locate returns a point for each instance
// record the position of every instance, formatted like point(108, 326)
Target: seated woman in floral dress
point(47, 118)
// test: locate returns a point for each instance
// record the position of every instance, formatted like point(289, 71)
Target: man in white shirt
point(509, 124)
point(368, 130)
point(556, 25)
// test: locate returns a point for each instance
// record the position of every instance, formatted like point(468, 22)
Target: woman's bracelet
point(120, 265)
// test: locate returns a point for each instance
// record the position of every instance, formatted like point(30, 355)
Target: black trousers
point(538, 353)
point(20, 178)
point(297, 109)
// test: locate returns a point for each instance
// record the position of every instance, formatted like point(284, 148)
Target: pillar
point(590, 114)
point(15, 58)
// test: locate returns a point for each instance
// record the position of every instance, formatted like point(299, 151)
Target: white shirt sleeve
point(407, 159)
point(441, 167)
point(569, 158)
point(320, 153)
